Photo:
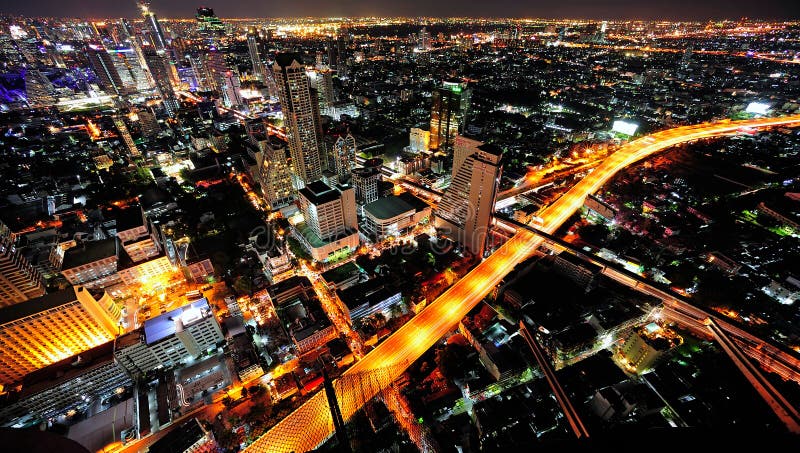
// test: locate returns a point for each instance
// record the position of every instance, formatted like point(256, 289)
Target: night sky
point(593, 9)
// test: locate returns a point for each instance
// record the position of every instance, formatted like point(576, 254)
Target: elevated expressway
point(311, 423)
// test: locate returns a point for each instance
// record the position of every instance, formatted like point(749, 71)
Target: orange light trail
point(311, 423)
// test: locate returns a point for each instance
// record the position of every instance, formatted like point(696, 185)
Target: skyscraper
point(344, 154)
point(103, 65)
point(41, 331)
point(424, 39)
point(448, 113)
point(259, 70)
point(152, 26)
point(301, 117)
point(19, 280)
point(208, 23)
point(160, 70)
point(466, 206)
point(330, 212)
point(231, 95)
point(125, 135)
point(274, 175)
point(365, 180)
point(322, 82)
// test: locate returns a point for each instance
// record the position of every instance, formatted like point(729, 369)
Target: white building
point(330, 228)
point(393, 216)
point(465, 210)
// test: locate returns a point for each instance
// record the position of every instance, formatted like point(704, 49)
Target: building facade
point(19, 280)
point(301, 117)
point(449, 108)
point(466, 207)
point(50, 328)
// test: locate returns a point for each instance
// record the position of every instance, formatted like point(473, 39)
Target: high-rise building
point(125, 61)
point(448, 114)
point(215, 69)
point(38, 89)
point(103, 65)
point(301, 117)
point(328, 211)
point(330, 229)
point(125, 135)
point(419, 140)
point(322, 82)
point(466, 207)
point(274, 175)
point(344, 154)
point(19, 280)
point(208, 23)
point(160, 70)
point(152, 26)
point(253, 47)
point(41, 331)
point(231, 94)
point(424, 39)
point(365, 180)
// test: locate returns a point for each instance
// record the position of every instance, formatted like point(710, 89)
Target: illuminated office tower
point(125, 135)
point(152, 26)
point(19, 280)
point(424, 39)
point(448, 114)
point(259, 70)
point(208, 23)
point(301, 117)
point(231, 94)
point(419, 140)
point(274, 175)
point(329, 230)
point(465, 210)
point(215, 69)
point(322, 82)
point(365, 180)
point(344, 154)
point(41, 331)
point(103, 65)
point(131, 74)
point(160, 71)
point(38, 89)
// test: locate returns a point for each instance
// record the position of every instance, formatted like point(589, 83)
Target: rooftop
point(66, 369)
point(89, 252)
point(169, 323)
point(387, 208)
point(33, 306)
point(318, 192)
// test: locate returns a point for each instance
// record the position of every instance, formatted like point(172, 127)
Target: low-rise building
point(72, 384)
point(394, 215)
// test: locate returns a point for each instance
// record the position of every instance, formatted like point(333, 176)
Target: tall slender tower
point(274, 175)
point(153, 26)
point(344, 154)
point(103, 66)
point(301, 117)
point(19, 280)
point(159, 69)
point(259, 70)
point(466, 207)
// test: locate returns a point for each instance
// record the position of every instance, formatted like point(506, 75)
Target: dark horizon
point(678, 10)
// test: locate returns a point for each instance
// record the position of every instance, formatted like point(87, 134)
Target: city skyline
point(682, 10)
point(402, 234)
